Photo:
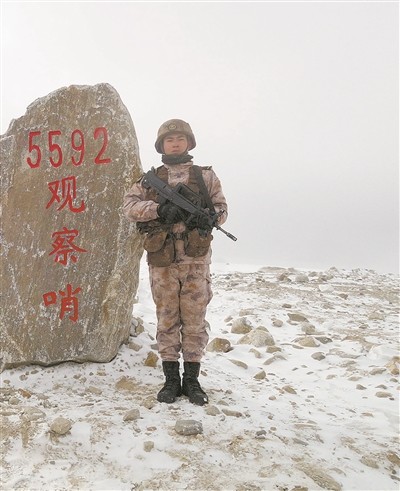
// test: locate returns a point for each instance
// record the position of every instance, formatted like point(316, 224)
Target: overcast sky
point(294, 104)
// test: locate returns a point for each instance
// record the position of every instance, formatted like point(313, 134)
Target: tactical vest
point(159, 238)
point(162, 173)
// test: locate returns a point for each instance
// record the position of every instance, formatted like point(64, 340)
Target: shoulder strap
point(203, 188)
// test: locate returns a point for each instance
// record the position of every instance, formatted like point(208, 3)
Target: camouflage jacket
point(139, 208)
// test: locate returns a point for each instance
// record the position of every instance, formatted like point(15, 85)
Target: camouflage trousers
point(181, 293)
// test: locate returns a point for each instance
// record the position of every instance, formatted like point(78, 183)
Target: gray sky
point(295, 104)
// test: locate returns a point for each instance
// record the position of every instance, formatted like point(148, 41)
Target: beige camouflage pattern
point(181, 291)
point(181, 294)
point(137, 209)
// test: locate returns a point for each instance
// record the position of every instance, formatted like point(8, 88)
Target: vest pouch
point(155, 240)
point(164, 256)
point(196, 244)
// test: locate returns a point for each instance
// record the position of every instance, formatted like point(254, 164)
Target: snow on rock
point(316, 410)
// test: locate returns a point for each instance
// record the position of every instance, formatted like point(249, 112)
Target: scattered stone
point(383, 394)
point(277, 323)
point(222, 402)
point(286, 306)
point(219, 345)
point(148, 446)
point(151, 359)
point(261, 434)
point(187, 427)
point(377, 371)
point(134, 346)
point(33, 414)
point(239, 363)
point(275, 357)
point(241, 326)
point(325, 276)
point(297, 317)
point(323, 339)
point(308, 328)
point(231, 412)
point(283, 276)
point(212, 411)
point(369, 462)
point(25, 393)
point(132, 415)
point(318, 356)
point(255, 352)
point(14, 401)
point(289, 389)
point(300, 442)
point(320, 477)
point(376, 316)
point(393, 365)
point(149, 402)
point(126, 383)
point(393, 458)
point(260, 375)
point(244, 312)
point(273, 349)
point(307, 342)
point(137, 326)
point(258, 337)
point(360, 387)
point(344, 296)
point(60, 426)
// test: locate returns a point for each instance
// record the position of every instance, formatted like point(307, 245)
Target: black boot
point(172, 386)
point(190, 384)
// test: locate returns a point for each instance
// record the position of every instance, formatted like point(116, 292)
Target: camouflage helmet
point(174, 126)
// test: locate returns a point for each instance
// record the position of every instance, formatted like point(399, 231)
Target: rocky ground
point(302, 371)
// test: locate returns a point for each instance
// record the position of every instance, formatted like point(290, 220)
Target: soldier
point(179, 256)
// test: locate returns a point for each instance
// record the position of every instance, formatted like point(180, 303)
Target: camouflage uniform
point(182, 290)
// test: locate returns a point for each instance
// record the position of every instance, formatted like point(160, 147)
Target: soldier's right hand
point(170, 213)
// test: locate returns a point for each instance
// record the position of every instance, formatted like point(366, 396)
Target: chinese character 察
point(63, 245)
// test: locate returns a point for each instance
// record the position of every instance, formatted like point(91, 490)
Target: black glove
point(170, 213)
point(207, 222)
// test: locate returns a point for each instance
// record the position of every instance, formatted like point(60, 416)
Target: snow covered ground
point(306, 400)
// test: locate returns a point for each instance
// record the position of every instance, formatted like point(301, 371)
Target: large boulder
point(70, 260)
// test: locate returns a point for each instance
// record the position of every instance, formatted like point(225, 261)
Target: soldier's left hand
point(207, 222)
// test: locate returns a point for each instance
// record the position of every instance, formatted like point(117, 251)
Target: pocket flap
point(154, 242)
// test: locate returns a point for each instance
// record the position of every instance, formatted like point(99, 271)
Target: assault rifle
point(189, 203)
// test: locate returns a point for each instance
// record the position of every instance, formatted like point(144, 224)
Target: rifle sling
point(202, 188)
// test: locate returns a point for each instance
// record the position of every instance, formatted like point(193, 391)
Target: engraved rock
point(70, 259)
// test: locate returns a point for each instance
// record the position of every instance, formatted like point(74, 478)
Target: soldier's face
point(175, 144)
